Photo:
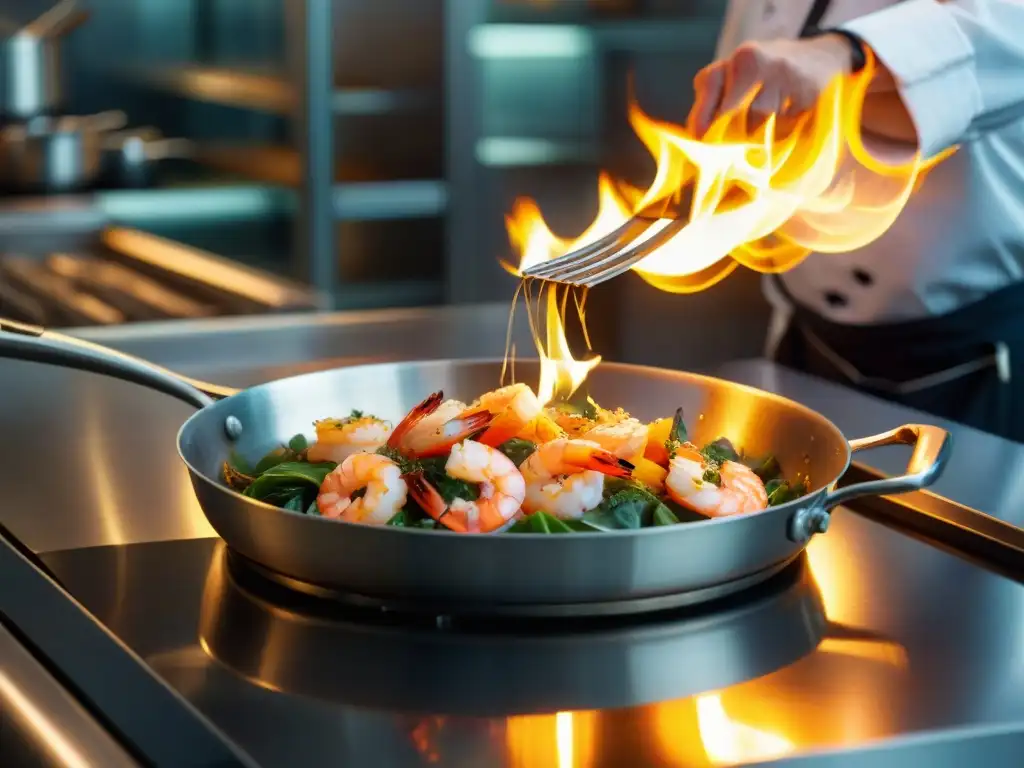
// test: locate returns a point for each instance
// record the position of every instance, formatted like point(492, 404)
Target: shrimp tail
point(502, 429)
point(608, 463)
point(455, 431)
point(414, 417)
point(431, 501)
point(598, 460)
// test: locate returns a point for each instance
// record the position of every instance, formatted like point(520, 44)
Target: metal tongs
point(619, 250)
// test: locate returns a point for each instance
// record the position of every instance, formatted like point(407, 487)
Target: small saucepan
point(54, 155)
point(132, 158)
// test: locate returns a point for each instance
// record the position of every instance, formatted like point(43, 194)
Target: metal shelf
point(561, 39)
point(356, 196)
point(529, 152)
point(267, 89)
point(377, 200)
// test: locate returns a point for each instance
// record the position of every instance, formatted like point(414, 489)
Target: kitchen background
point(353, 154)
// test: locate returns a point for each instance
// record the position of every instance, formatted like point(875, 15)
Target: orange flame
point(560, 373)
point(760, 199)
point(562, 740)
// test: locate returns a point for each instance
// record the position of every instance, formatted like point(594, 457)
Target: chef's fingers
point(743, 76)
point(803, 90)
point(707, 90)
point(767, 101)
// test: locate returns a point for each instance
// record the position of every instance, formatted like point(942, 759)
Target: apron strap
point(814, 17)
point(999, 358)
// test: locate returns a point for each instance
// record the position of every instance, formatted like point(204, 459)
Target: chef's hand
point(789, 76)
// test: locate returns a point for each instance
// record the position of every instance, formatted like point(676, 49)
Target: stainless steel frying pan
point(535, 574)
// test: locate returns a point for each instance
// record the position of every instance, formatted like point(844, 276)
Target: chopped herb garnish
point(712, 475)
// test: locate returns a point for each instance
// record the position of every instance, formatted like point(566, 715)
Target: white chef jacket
point(959, 66)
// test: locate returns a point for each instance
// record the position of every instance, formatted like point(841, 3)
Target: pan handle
point(931, 449)
point(20, 341)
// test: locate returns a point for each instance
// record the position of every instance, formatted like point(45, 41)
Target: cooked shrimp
point(433, 427)
point(337, 439)
point(565, 477)
point(501, 488)
point(626, 438)
point(513, 408)
point(385, 490)
point(738, 490)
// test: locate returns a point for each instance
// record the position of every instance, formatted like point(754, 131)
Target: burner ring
point(445, 612)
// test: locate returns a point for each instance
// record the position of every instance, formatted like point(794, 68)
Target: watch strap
point(858, 48)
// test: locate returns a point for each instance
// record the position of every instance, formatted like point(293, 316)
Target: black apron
point(962, 366)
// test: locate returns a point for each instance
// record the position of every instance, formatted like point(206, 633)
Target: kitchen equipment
point(131, 158)
point(137, 296)
point(419, 570)
point(616, 252)
point(57, 296)
point(52, 155)
point(222, 282)
point(31, 83)
point(19, 306)
point(320, 645)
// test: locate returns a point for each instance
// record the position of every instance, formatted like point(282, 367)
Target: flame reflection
point(729, 742)
point(561, 740)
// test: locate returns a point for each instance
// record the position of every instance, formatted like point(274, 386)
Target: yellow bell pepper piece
point(649, 473)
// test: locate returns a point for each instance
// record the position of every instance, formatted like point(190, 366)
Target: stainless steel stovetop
point(835, 653)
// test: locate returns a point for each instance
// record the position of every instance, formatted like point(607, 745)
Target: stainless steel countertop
point(985, 472)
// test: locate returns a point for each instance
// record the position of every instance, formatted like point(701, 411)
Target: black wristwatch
point(858, 48)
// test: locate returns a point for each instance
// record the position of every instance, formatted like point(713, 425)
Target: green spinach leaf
point(616, 515)
point(663, 516)
point(541, 522)
point(681, 513)
point(767, 469)
point(238, 463)
point(781, 491)
point(518, 450)
point(296, 503)
point(719, 451)
point(411, 516)
point(631, 495)
point(288, 475)
point(677, 431)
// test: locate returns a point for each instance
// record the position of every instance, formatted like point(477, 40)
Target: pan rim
point(790, 506)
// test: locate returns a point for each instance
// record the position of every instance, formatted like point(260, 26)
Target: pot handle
point(932, 447)
point(20, 341)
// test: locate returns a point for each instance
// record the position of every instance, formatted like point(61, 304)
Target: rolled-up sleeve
point(958, 65)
